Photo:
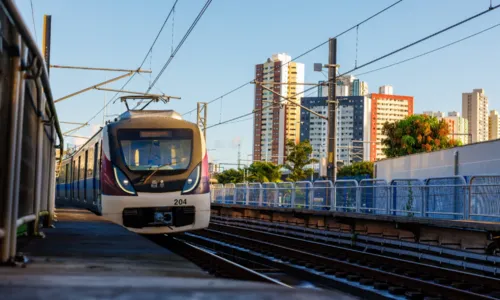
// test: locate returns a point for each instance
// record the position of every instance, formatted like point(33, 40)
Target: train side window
point(82, 166)
point(62, 174)
point(75, 170)
point(97, 160)
point(90, 162)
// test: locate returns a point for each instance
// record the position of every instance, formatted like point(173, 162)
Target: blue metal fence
point(452, 198)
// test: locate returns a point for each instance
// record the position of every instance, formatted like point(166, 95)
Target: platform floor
point(85, 243)
point(87, 257)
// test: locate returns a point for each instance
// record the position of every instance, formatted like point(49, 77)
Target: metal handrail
point(12, 11)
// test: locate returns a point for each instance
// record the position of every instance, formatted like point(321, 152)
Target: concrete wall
point(474, 159)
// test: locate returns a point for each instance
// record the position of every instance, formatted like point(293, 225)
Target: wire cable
point(33, 18)
point(423, 39)
point(159, 32)
point(429, 52)
point(180, 44)
point(262, 108)
point(112, 99)
point(303, 54)
point(381, 57)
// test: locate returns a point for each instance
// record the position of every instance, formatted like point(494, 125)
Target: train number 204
point(180, 202)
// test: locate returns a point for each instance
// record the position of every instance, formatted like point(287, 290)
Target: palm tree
point(299, 156)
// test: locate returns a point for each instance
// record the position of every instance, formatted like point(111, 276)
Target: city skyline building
point(277, 124)
point(436, 114)
point(353, 127)
point(386, 89)
point(386, 108)
point(458, 127)
point(475, 110)
point(347, 85)
point(494, 125)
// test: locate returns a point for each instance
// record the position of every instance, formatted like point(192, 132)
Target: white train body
point(147, 171)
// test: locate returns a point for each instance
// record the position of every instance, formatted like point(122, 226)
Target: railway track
point(212, 262)
point(435, 255)
point(361, 273)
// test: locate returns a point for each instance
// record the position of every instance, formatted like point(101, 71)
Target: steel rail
point(217, 264)
point(235, 252)
point(322, 255)
point(440, 255)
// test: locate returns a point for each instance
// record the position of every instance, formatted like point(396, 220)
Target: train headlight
point(198, 180)
point(123, 181)
point(192, 180)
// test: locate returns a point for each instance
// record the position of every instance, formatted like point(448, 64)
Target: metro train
point(146, 171)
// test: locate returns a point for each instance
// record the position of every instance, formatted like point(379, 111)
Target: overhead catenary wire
point(261, 109)
point(429, 52)
point(33, 18)
point(303, 54)
point(423, 39)
point(186, 35)
point(376, 59)
point(112, 99)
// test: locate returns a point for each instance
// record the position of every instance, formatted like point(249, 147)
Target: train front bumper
point(140, 213)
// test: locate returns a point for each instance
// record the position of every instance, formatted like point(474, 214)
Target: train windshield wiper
point(156, 170)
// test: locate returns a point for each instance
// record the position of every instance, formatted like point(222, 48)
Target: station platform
point(87, 257)
point(83, 242)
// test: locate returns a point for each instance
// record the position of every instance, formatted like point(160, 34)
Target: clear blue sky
point(234, 35)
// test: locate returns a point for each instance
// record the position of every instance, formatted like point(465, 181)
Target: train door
point(77, 180)
point(67, 181)
point(83, 174)
point(95, 181)
point(97, 172)
point(73, 180)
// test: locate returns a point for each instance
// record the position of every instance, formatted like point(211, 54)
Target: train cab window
point(165, 150)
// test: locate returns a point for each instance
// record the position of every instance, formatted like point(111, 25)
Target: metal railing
point(29, 132)
point(451, 198)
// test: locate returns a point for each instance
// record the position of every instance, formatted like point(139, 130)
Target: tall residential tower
point(493, 125)
point(386, 108)
point(275, 125)
point(475, 110)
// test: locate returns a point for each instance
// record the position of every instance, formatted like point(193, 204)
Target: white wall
point(474, 159)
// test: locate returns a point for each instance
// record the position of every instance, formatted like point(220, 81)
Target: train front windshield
point(164, 150)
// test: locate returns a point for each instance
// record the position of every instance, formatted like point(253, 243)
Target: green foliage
point(230, 176)
point(260, 171)
point(416, 134)
point(357, 168)
point(298, 157)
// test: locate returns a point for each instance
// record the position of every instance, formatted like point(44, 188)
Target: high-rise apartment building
point(458, 127)
point(347, 85)
point(436, 114)
point(493, 125)
point(353, 127)
point(275, 125)
point(386, 89)
point(475, 110)
point(386, 108)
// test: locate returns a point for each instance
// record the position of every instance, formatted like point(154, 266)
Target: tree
point(260, 171)
point(416, 134)
point(357, 168)
point(299, 155)
point(230, 176)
